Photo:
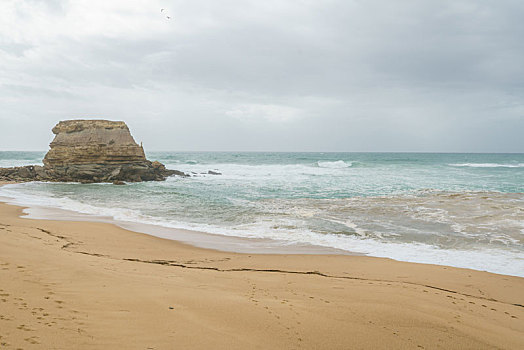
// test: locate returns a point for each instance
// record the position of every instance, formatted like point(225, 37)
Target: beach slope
point(97, 286)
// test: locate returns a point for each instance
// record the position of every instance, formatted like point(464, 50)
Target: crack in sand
point(316, 273)
point(52, 234)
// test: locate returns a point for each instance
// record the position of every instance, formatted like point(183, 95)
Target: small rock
point(211, 172)
point(118, 182)
point(168, 172)
point(158, 165)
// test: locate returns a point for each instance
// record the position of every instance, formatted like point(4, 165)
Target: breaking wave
point(488, 165)
point(339, 164)
point(429, 208)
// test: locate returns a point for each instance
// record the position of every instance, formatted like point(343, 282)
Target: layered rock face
point(98, 151)
point(92, 151)
point(92, 142)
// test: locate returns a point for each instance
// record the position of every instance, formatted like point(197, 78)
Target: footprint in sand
point(24, 328)
point(32, 340)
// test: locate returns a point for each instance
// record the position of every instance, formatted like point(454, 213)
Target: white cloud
point(35, 22)
point(330, 75)
point(264, 112)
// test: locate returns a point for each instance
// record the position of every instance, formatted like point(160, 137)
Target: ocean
point(463, 210)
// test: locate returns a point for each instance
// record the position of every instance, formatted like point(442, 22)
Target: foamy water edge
point(491, 260)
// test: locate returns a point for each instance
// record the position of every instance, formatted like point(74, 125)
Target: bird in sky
point(162, 10)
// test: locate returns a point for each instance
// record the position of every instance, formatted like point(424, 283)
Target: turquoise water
point(463, 210)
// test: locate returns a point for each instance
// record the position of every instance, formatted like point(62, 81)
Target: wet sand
point(94, 285)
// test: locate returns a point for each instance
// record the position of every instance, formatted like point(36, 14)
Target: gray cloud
point(275, 75)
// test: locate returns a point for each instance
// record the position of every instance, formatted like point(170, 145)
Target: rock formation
point(92, 151)
point(98, 151)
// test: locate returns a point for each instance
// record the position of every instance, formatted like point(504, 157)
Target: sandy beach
point(85, 285)
point(271, 175)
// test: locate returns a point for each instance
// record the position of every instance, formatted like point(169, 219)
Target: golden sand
point(83, 285)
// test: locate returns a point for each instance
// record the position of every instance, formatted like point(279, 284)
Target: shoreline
point(494, 261)
point(194, 238)
point(97, 285)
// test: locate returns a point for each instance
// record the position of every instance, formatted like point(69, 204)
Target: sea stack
point(98, 151)
point(92, 151)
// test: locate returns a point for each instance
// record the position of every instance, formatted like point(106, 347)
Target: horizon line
point(244, 151)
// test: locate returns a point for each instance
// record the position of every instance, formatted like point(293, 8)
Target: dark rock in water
point(211, 172)
point(24, 173)
point(161, 168)
point(177, 172)
point(118, 182)
point(90, 151)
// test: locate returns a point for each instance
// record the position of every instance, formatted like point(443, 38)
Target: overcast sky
point(272, 75)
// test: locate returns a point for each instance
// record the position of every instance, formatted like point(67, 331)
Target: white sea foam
point(339, 164)
point(462, 218)
point(488, 165)
point(259, 172)
point(8, 163)
point(493, 260)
